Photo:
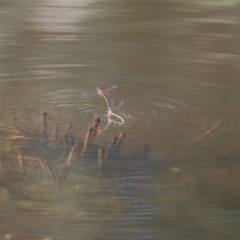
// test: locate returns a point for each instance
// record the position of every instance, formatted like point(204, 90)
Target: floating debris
point(207, 132)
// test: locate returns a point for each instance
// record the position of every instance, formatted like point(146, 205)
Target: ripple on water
point(207, 123)
point(61, 106)
point(161, 119)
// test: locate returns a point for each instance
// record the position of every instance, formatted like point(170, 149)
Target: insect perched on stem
point(111, 110)
point(100, 93)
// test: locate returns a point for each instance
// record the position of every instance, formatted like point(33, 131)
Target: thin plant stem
point(106, 101)
point(109, 122)
point(110, 113)
point(113, 114)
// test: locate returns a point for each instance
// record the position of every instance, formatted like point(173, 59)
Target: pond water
point(176, 64)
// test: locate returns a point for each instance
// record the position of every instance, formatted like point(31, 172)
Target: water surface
point(176, 67)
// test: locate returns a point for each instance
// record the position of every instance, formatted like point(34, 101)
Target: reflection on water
point(60, 17)
point(176, 65)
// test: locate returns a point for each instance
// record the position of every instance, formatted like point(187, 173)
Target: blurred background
point(176, 64)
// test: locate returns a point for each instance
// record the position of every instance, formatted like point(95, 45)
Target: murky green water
point(176, 64)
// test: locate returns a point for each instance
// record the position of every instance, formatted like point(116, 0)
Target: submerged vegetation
point(49, 173)
point(60, 174)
